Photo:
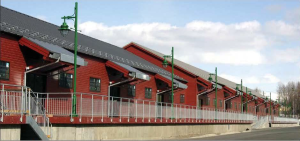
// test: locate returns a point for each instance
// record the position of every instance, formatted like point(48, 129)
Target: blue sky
point(253, 40)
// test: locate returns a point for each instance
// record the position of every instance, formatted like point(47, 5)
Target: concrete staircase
point(32, 131)
point(263, 122)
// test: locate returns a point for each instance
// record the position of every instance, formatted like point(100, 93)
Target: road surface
point(290, 133)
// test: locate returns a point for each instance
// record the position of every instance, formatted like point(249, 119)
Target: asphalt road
point(290, 133)
point(287, 133)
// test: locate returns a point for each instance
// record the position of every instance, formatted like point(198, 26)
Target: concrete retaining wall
point(99, 132)
point(284, 125)
point(10, 132)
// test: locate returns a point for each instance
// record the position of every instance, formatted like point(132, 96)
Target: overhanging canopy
point(169, 80)
point(52, 51)
point(128, 70)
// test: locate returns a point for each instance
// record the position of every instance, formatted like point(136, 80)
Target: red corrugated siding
point(95, 68)
point(11, 52)
point(140, 86)
point(190, 92)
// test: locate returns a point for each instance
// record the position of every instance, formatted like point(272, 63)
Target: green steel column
point(242, 95)
point(172, 81)
point(75, 60)
point(216, 91)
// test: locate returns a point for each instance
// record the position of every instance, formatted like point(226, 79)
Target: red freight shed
point(36, 55)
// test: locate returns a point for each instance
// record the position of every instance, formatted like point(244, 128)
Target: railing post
point(80, 107)
point(149, 111)
point(166, 112)
point(22, 104)
point(112, 108)
point(71, 107)
point(47, 102)
point(180, 113)
point(143, 110)
point(161, 112)
point(2, 103)
point(29, 100)
point(120, 107)
point(176, 113)
point(92, 108)
point(135, 110)
point(155, 110)
point(102, 109)
point(128, 109)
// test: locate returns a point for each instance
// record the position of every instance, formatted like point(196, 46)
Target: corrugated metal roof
point(177, 83)
point(65, 55)
point(24, 25)
point(138, 74)
point(199, 72)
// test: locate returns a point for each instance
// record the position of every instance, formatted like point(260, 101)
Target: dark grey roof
point(138, 74)
point(24, 25)
point(176, 83)
point(59, 52)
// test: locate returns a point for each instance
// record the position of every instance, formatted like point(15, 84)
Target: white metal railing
point(100, 106)
point(18, 100)
point(22, 101)
point(285, 120)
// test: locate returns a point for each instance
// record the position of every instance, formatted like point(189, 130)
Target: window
point(65, 80)
point(230, 105)
point(208, 101)
point(4, 70)
point(95, 84)
point(221, 103)
point(148, 93)
point(182, 98)
point(131, 90)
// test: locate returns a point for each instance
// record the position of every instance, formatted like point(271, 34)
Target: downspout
point(110, 85)
point(258, 105)
point(229, 99)
point(200, 95)
point(161, 93)
point(40, 67)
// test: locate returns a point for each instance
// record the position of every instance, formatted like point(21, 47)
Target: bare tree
point(289, 96)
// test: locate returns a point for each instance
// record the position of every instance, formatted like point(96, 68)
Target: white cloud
point(203, 41)
point(234, 57)
point(269, 78)
point(231, 78)
point(266, 79)
point(197, 42)
point(288, 55)
point(282, 28)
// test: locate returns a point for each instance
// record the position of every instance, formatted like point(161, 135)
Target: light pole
point(216, 88)
point(165, 64)
point(242, 108)
point(64, 30)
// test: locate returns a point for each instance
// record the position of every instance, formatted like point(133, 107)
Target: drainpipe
point(229, 99)
point(110, 85)
point(200, 95)
point(37, 68)
point(257, 106)
point(161, 93)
